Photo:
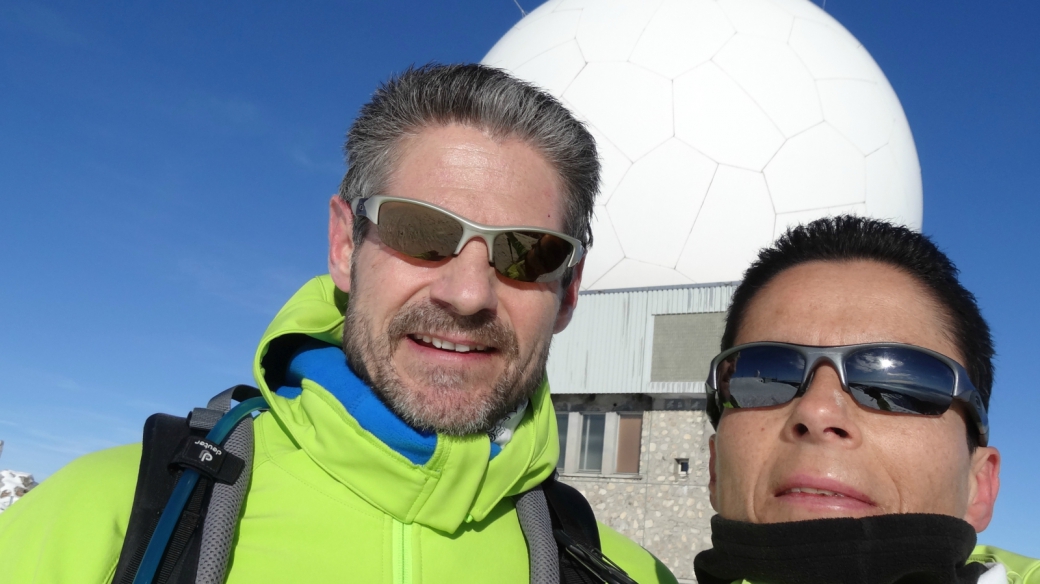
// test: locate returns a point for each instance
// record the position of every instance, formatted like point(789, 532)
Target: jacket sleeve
point(70, 529)
point(1021, 570)
point(640, 564)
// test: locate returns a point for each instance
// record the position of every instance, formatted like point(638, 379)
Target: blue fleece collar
point(326, 365)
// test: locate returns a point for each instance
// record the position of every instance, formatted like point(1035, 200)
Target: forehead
point(844, 303)
point(496, 181)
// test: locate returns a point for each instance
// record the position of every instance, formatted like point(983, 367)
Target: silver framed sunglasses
point(427, 232)
point(889, 377)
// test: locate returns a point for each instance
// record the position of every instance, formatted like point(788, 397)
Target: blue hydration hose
point(182, 492)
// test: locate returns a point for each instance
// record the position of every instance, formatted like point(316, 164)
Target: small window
point(592, 427)
point(562, 419)
point(682, 465)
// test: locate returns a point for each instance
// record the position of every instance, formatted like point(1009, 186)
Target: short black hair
point(849, 238)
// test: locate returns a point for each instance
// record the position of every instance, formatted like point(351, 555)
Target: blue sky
point(165, 167)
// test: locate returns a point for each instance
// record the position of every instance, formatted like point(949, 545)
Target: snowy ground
point(13, 485)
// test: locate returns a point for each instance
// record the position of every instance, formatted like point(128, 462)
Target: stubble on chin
point(448, 400)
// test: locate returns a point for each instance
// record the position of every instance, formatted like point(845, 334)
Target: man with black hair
point(850, 405)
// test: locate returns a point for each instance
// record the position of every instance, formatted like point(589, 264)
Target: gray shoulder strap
point(207, 417)
point(225, 504)
point(536, 523)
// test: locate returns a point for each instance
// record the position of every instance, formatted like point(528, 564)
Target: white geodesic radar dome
point(719, 124)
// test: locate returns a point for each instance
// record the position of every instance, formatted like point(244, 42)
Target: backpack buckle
point(592, 560)
point(209, 459)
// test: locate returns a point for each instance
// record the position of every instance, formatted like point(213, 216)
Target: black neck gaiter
point(886, 549)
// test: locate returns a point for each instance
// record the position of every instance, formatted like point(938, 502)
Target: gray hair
point(482, 97)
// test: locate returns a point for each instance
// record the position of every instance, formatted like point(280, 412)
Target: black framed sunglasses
point(427, 232)
point(889, 377)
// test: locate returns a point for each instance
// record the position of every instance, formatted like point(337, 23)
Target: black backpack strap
point(170, 445)
point(163, 435)
point(577, 538)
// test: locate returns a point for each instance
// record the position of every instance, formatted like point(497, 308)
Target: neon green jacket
point(1020, 569)
point(328, 502)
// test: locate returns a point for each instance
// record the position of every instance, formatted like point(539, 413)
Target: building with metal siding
point(627, 377)
point(608, 346)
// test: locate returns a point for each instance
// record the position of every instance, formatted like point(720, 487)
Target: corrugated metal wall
point(607, 347)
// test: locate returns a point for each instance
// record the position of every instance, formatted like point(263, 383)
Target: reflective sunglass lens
point(417, 231)
point(758, 377)
point(896, 379)
point(530, 256)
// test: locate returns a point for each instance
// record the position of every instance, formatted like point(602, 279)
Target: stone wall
point(661, 509)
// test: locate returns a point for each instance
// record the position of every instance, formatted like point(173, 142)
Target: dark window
point(562, 419)
point(592, 427)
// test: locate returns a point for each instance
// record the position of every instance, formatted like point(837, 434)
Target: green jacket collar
point(456, 485)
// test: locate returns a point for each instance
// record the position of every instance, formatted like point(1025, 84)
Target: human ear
point(341, 241)
point(711, 473)
point(569, 301)
point(983, 487)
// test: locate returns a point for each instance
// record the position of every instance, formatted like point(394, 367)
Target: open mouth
point(445, 345)
point(828, 493)
point(809, 491)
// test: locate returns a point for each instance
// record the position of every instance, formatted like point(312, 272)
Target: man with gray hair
point(409, 435)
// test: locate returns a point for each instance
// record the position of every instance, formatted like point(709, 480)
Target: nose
point(466, 283)
point(825, 412)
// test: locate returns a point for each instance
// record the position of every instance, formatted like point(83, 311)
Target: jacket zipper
point(402, 558)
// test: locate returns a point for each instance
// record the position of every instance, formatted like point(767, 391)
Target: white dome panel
point(576, 4)
point(735, 222)
point(780, 96)
point(857, 110)
point(714, 115)
point(630, 105)
point(758, 18)
point(554, 69)
point(615, 165)
point(656, 204)
point(606, 251)
point(905, 156)
point(538, 13)
point(635, 274)
point(886, 193)
point(520, 45)
point(785, 220)
point(682, 35)
point(816, 169)
point(830, 54)
point(804, 9)
point(884, 87)
point(775, 78)
point(577, 113)
point(610, 29)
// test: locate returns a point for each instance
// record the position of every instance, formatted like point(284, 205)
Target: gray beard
point(445, 406)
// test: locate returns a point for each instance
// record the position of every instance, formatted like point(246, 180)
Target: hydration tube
point(182, 492)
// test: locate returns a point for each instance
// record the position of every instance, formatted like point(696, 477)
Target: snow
point(13, 485)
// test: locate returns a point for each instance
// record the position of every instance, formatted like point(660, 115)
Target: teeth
point(448, 345)
point(810, 491)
